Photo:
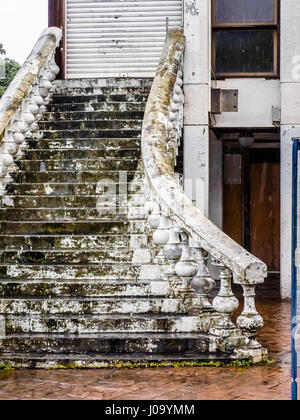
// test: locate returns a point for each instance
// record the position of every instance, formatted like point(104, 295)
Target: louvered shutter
point(117, 38)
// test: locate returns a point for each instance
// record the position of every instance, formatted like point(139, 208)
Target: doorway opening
point(251, 203)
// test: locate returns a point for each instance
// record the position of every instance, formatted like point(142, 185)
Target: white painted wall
point(290, 126)
point(197, 85)
point(256, 98)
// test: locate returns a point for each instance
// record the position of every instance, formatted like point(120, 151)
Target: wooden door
point(265, 212)
point(251, 210)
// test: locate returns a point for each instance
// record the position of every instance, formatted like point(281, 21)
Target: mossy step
point(107, 97)
point(120, 124)
point(95, 133)
point(136, 82)
point(72, 242)
point(107, 343)
point(117, 154)
point(92, 163)
point(102, 90)
point(81, 289)
point(106, 227)
point(51, 177)
point(71, 188)
point(73, 201)
point(97, 324)
point(91, 306)
point(87, 256)
point(119, 361)
point(93, 115)
point(97, 144)
point(101, 212)
point(98, 106)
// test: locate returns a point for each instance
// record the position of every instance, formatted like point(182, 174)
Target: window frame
point(275, 26)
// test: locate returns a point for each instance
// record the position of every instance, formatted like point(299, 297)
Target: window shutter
point(117, 38)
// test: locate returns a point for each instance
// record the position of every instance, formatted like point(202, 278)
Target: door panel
point(265, 213)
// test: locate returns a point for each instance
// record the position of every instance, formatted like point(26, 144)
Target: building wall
point(256, 99)
point(290, 126)
point(197, 85)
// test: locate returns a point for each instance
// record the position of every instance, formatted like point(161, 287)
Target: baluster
point(250, 322)
point(161, 235)
point(154, 218)
point(186, 268)
point(202, 283)
point(172, 252)
point(225, 303)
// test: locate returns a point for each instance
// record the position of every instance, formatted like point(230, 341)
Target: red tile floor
point(270, 382)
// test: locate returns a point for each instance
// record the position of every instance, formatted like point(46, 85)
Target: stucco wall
point(256, 98)
point(290, 109)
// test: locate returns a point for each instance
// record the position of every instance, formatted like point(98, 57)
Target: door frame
point(273, 155)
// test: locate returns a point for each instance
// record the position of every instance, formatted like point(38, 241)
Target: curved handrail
point(159, 170)
point(24, 100)
point(25, 78)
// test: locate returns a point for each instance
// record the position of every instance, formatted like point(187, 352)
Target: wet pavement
point(268, 382)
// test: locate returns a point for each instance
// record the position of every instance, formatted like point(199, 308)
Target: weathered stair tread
point(100, 305)
point(70, 242)
point(107, 343)
point(64, 288)
point(102, 360)
point(68, 201)
point(92, 115)
point(97, 106)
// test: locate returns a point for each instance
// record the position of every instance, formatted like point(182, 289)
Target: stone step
point(101, 360)
point(106, 227)
point(103, 90)
point(97, 324)
point(71, 188)
point(107, 97)
point(52, 177)
point(71, 85)
point(89, 134)
point(74, 163)
point(81, 289)
point(120, 124)
point(73, 201)
point(100, 271)
point(91, 306)
point(93, 116)
point(97, 106)
point(86, 154)
point(107, 145)
point(72, 242)
point(57, 256)
point(100, 212)
point(154, 343)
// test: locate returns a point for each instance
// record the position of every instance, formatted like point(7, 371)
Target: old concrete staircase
point(78, 283)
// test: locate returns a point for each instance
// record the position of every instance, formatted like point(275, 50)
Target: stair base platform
point(104, 361)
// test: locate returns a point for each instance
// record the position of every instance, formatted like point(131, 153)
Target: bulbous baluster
point(161, 235)
point(225, 303)
point(202, 283)
point(9, 146)
point(250, 322)
point(26, 114)
point(154, 218)
point(172, 252)
point(186, 268)
point(19, 126)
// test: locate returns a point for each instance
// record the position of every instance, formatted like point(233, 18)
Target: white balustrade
point(18, 115)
